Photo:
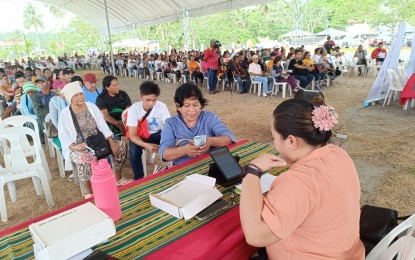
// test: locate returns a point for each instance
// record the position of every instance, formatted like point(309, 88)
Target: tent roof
point(296, 33)
point(128, 14)
point(332, 32)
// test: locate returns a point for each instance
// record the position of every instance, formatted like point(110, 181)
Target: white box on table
point(71, 232)
point(188, 197)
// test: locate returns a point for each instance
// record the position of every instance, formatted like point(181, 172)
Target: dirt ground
point(380, 141)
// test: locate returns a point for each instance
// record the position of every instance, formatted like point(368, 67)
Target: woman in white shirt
point(130, 65)
point(91, 121)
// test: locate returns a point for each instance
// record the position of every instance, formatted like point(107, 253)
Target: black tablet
point(226, 163)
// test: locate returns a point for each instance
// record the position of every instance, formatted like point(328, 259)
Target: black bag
point(375, 224)
point(98, 144)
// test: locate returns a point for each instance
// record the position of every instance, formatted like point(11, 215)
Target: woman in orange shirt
point(312, 210)
point(194, 69)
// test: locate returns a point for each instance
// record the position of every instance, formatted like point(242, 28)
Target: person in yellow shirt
point(309, 63)
point(194, 69)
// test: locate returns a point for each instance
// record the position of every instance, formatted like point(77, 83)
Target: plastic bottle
point(104, 188)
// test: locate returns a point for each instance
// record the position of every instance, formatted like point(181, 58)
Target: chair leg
point(3, 209)
point(144, 161)
point(45, 164)
point(46, 188)
point(284, 90)
point(60, 160)
point(11, 186)
point(37, 184)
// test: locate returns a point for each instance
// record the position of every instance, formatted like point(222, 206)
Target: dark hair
point(56, 72)
point(277, 59)
point(2, 70)
point(29, 69)
point(289, 55)
point(45, 69)
point(297, 51)
point(316, 49)
point(293, 117)
point(235, 57)
point(305, 53)
point(186, 91)
point(19, 75)
point(149, 88)
point(77, 78)
point(106, 82)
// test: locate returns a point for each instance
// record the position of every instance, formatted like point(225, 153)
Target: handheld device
point(226, 163)
point(213, 209)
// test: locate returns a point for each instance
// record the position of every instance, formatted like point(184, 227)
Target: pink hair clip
point(324, 118)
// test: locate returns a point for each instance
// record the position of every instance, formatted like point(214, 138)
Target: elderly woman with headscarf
point(90, 120)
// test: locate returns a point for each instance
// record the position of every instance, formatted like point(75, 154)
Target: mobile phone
point(213, 209)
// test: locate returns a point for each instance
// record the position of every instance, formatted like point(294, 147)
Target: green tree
point(32, 20)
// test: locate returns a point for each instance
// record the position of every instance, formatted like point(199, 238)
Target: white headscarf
point(70, 90)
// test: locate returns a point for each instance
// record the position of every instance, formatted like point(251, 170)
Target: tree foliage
point(32, 20)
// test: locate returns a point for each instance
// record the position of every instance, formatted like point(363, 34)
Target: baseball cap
point(68, 71)
point(212, 41)
point(90, 77)
point(41, 78)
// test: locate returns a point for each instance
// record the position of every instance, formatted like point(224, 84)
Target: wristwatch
point(252, 169)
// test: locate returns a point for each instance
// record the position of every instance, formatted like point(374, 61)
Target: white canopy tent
point(296, 33)
point(332, 32)
point(116, 15)
point(128, 43)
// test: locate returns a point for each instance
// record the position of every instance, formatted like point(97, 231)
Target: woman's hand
point(114, 147)
point(78, 147)
point(191, 150)
point(268, 161)
point(204, 148)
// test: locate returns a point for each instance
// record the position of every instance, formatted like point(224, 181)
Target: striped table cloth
point(143, 229)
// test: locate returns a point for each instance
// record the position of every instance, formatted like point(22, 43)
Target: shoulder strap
point(146, 114)
point(75, 122)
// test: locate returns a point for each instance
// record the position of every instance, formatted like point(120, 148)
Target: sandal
point(87, 196)
point(124, 181)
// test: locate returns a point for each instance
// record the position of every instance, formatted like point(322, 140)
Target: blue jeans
point(213, 79)
point(243, 88)
point(136, 152)
point(304, 80)
point(266, 81)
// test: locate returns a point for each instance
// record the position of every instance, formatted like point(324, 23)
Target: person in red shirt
point(211, 57)
point(379, 53)
point(329, 45)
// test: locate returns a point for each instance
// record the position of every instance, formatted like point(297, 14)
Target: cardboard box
point(188, 197)
point(71, 232)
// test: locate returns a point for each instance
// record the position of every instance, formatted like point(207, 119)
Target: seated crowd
point(243, 67)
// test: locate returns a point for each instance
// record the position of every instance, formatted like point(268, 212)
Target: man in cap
point(329, 45)
point(41, 101)
point(68, 74)
point(90, 88)
point(211, 58)
point(258, 75)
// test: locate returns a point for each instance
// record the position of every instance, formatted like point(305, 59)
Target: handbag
point(97, 143)
point(142, 126)
point(51, 130)
point(376, 223)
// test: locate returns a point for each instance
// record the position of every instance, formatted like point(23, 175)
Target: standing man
point(329, 45)
point(90, 88)
point(379, 53)
point(211, 58)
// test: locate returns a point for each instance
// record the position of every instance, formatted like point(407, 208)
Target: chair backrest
point(402, 249)
point(406, 228)
point(402, 74)
point(15, 139)
point(19, 121)
point(394, 80)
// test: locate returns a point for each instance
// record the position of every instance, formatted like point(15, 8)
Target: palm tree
point(58, 14)
point(32, 20)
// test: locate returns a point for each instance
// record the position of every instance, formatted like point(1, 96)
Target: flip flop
point(124, 181)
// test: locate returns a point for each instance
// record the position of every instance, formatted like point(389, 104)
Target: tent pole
point(109, 38)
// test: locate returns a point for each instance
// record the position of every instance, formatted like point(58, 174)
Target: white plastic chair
point(27, 148)
point(402, 75)
point(402, 249)
point(18, 167)
point(159, 76)
point(276, 87)
point(255, 86)
point(343, 69)
point(49, 143)
point(395, 87)
point(406, 228)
